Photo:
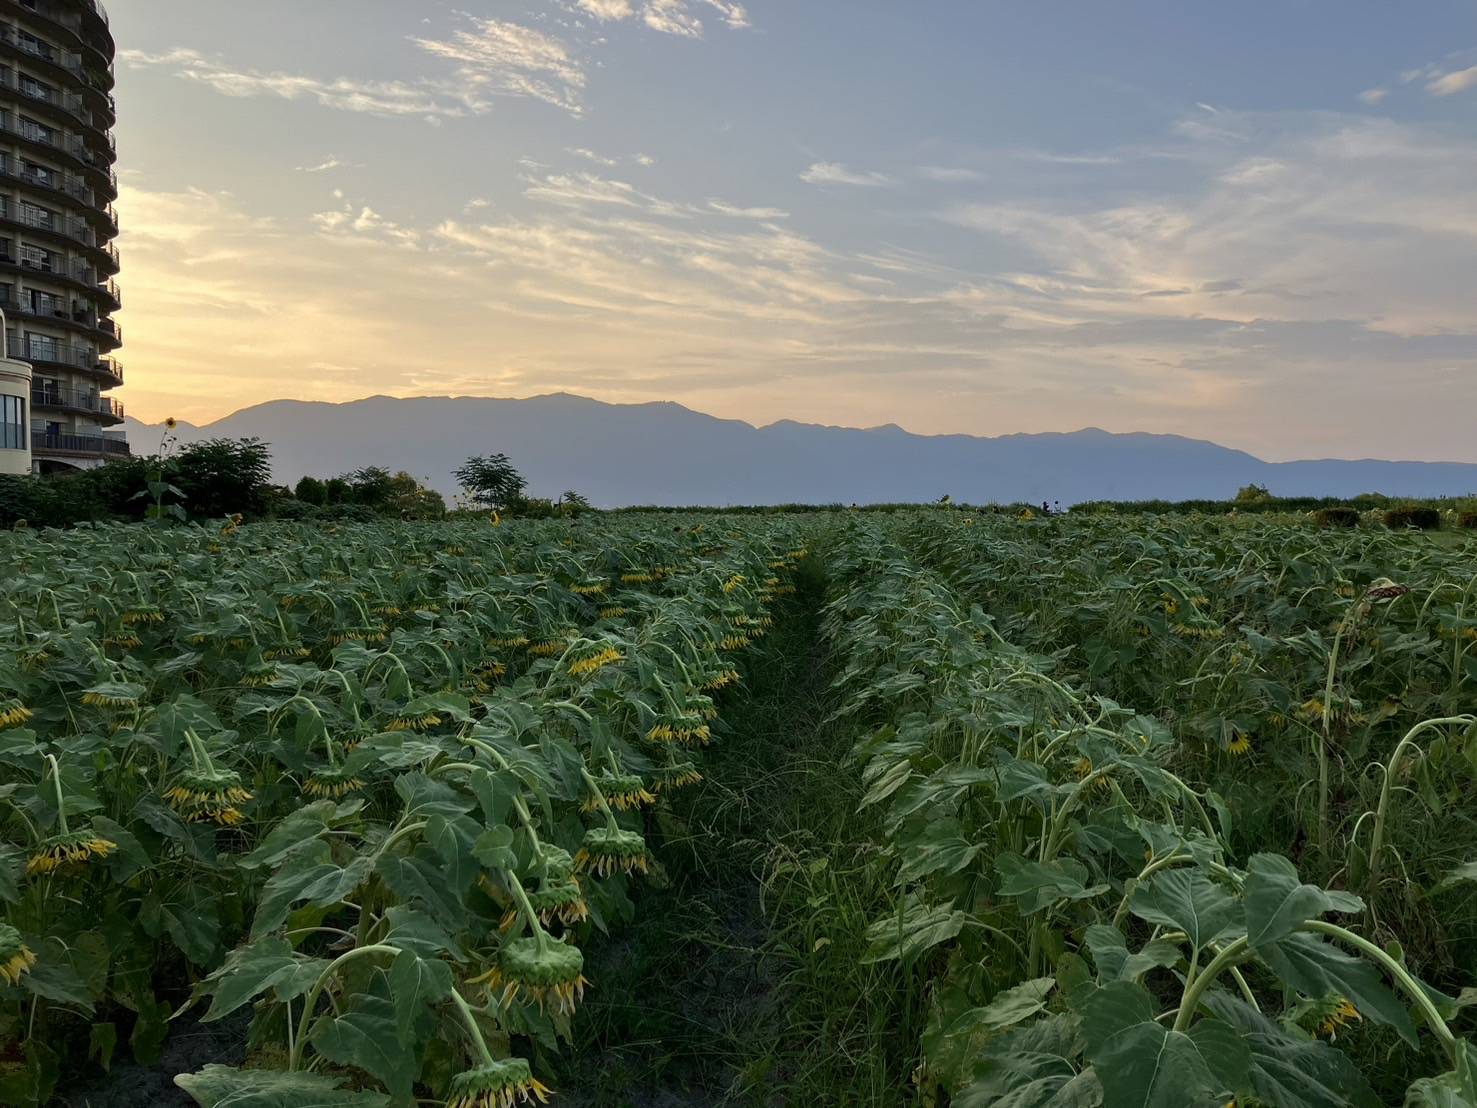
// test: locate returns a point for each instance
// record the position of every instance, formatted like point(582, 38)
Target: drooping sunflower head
point(367, 633)
point(414, 721)
point(592, 657)
point(561, 901)
point(112, 695)
point(615, 611)
point(553, 644)
point(286, 650)
point(13, 713)
point(260, 676)
point(678, 776)
point(622, 791)
point(1331, 1015)
point(72, 848)
point(208, 796)
point(16, 958)
point(484, 676)
point(590, 586)
point(720, 679)
point(548, 974)
point(145, 613)
point(609, 850)
point(688, 728)
point(503, 1084)
point(554, 862)
point(332, 782)
point(1382, 588)
point(1238, 746)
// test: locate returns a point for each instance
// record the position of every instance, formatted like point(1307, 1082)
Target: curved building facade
point(58, 263)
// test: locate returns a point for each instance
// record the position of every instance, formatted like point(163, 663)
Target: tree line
point(223, 477)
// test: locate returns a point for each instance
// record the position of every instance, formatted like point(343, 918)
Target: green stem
point(470, 1022)
point(295, 1056)
point(56, 785)
point(1229, 956)
point(1377, 843)
point(1411, 987)
point(529, 915)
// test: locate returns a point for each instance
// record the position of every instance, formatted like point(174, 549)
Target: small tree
point(409, 499)
point(573, 504)
point(1253, 494)
point(312, 491)
point(491, 482)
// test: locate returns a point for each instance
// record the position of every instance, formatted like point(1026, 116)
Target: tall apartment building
point(57, 223)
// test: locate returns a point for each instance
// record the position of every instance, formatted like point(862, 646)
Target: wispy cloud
point(671, 17)
point(509, 59)
point(724, 208)
point(1373, 96)
point(606, 10)
point(433, 99)
point(834, 173)
point(1448, 84)
point(590, 156)
point(949, 174)
point(1050, 158)
point(333, 161)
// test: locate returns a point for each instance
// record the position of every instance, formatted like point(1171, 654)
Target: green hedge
point(1407, 516)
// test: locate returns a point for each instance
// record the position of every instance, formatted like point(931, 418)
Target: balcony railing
point(62, 354)
point(55, 310)
point(73, 400)
point(71, 227)
point(55, 139)
point(70, 102)
point(42, 50)
point(72, 186)
point(97, 446)
point(111, 366)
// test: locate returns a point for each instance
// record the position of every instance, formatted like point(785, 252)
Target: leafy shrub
point(221, 477)
point(310, 490)
point(491, 482)
point(1412, 515)
point(1336, 517)
point(535, 507)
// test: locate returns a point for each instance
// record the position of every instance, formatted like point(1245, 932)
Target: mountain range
point(663, 453)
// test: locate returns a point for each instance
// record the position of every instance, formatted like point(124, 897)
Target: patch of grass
point(744, 983)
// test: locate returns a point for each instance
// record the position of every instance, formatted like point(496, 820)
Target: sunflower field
point(1070, 811)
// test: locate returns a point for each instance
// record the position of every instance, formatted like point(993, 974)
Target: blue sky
point(1255, 223)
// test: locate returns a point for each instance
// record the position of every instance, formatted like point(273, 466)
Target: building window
point(33, 257)
point(36, 132)
point(34, 88)
point(34, 215)
point(40, 347)
point(12, 423)
point(39, 173)
point(45, 303)
point(33, 45)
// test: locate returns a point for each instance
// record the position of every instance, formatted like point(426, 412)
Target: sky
point(1254, 223)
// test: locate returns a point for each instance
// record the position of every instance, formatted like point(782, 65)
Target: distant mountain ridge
point(664, 453)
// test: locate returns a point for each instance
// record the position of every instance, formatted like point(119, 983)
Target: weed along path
point(742, 986)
